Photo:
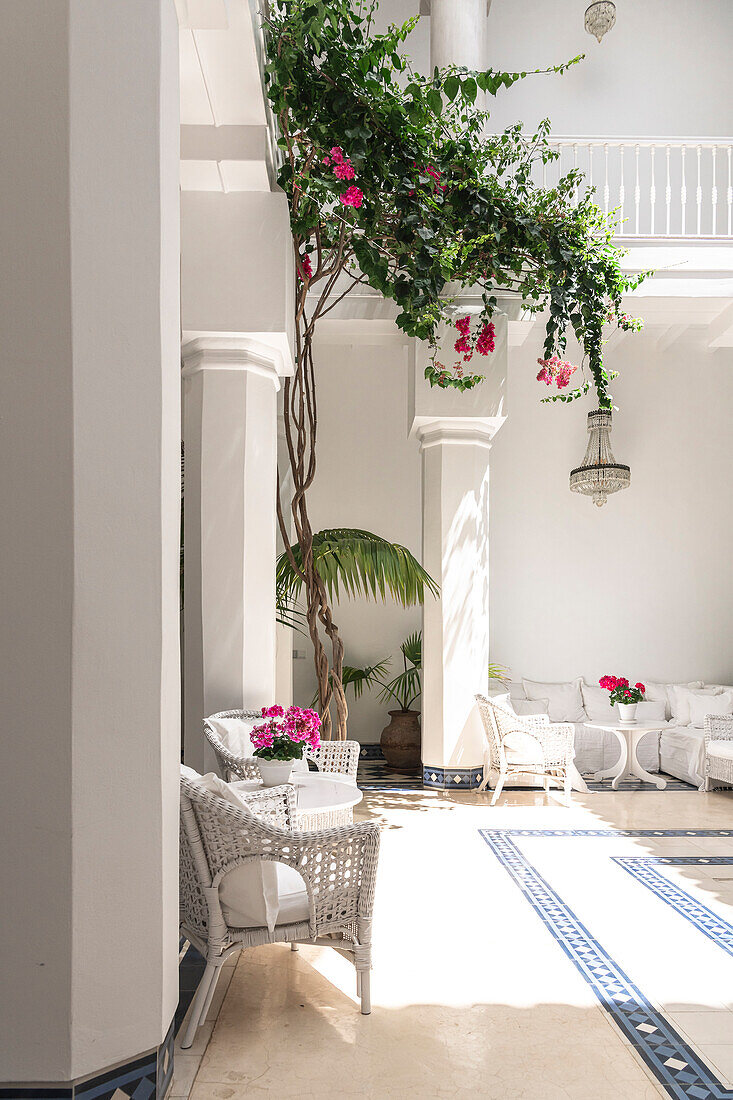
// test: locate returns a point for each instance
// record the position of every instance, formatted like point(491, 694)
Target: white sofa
point(679, 749)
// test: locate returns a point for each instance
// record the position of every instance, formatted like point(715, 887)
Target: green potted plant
point(400, 740)
point(623, 696)
point(281, 739)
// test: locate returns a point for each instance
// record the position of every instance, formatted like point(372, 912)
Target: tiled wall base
point(461, 779)
point(146, 1078)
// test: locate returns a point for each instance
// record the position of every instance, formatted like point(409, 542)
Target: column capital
point(235, 353)
point(455, 431)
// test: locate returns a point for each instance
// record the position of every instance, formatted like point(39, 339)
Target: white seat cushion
point(565, 699)
point(234, 734)
point(522, 748)
point(291, 897)
point(651, 710)
point(722, 749)
point(682, 752)
point(680, 701)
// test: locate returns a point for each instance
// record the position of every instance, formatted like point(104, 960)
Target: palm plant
point(406, 687)
point(354, 563)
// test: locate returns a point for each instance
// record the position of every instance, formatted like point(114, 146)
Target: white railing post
point(707, 224)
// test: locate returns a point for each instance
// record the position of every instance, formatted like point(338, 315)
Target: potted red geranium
point(623, 696)
point(282, 739)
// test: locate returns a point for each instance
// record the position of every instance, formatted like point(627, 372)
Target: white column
point(458, 33)
point(454, 431)
point(89, 672)
point(455, 626)
point(230, 389)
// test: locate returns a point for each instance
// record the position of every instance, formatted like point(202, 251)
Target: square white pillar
point(89, 670)
point(230, 389)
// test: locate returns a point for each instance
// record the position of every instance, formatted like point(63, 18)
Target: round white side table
point(323, 799)
point(628, 765)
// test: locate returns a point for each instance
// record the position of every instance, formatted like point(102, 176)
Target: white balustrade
point(653, 171)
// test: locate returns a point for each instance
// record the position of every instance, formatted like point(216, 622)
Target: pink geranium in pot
point(282, 739)
point(623, 696)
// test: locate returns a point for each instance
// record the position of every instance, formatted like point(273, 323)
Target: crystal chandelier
point(600, 17)
point(600, 473)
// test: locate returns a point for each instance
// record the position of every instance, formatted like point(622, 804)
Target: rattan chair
point(338, 867)
point(718, 769)
point(331, 756)
point(527, 745)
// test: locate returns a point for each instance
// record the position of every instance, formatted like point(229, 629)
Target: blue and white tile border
point(147, 1077)
point(704, 919)
point(461, 779)
point(672, 1061)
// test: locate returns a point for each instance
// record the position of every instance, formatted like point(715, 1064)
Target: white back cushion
point(565, 699)
point(523, 707)
point(701, 705)
point(680, 701)
point(596, 703)
point(234, 734)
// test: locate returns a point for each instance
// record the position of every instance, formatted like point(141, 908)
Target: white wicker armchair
point(527, 745)
point(338, 867)
point(718, 767)
point(331, 756)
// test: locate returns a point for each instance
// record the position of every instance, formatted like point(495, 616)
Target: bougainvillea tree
point(394, 180)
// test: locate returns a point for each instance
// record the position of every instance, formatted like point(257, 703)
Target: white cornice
point(456, 432)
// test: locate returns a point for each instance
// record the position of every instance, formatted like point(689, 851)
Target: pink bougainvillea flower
point(485, 342)
point(462, 345)
point(463, 324)
point(545, 376)
point(352, 197)
point(337, 154)
point(305, 263)
point(345, 170)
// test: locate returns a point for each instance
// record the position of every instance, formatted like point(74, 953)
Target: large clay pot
point(401, 742)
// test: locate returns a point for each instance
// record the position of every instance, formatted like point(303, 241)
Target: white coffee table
point(323, 799)
point(628, 764)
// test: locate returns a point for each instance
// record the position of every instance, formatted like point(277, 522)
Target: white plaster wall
point(642, 586)
point(369, 477)
point(663, 70)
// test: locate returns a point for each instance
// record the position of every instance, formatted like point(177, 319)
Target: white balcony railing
point(660, 188)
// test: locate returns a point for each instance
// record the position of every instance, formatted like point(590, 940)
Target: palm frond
point(358, 563)
point(498, 672)
point(405, 688)
point(412, 649)
point(360, 678)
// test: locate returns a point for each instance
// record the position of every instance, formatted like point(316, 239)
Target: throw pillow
point(522, 707)
point(234, 734)
point(680, 701)
point(596, 703)
point(701, 705)
point(651, 710)
point(565, 699)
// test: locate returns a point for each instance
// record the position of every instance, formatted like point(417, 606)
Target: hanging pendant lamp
point(599, 474)
point(600, 17)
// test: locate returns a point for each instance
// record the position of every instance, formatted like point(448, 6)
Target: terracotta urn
point(401, 742)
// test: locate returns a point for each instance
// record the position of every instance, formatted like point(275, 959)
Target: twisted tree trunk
point(301, 423)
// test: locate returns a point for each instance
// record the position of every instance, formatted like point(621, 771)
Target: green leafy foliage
point(406, 687)
point(357, 563)
point(443, 200)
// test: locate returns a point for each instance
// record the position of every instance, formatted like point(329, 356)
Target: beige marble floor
point(471, 995)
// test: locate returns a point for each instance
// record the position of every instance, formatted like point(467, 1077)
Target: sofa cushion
point(651, 710)
point(290, 902)
point(702, 705)
point(680, 696)
point(234, 734)
point(526, 707)
point(565, 699)
point(516, 690)
point(522, 748)
point(596, 703)
point(723, 749)
point(682, 752)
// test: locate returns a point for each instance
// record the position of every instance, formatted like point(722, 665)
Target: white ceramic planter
point(626, 713)
point(275, 772)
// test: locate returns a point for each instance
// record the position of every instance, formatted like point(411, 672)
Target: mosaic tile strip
point(146, 1078)
point(643, 869)
point(672, 1061)
point(465, 779)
